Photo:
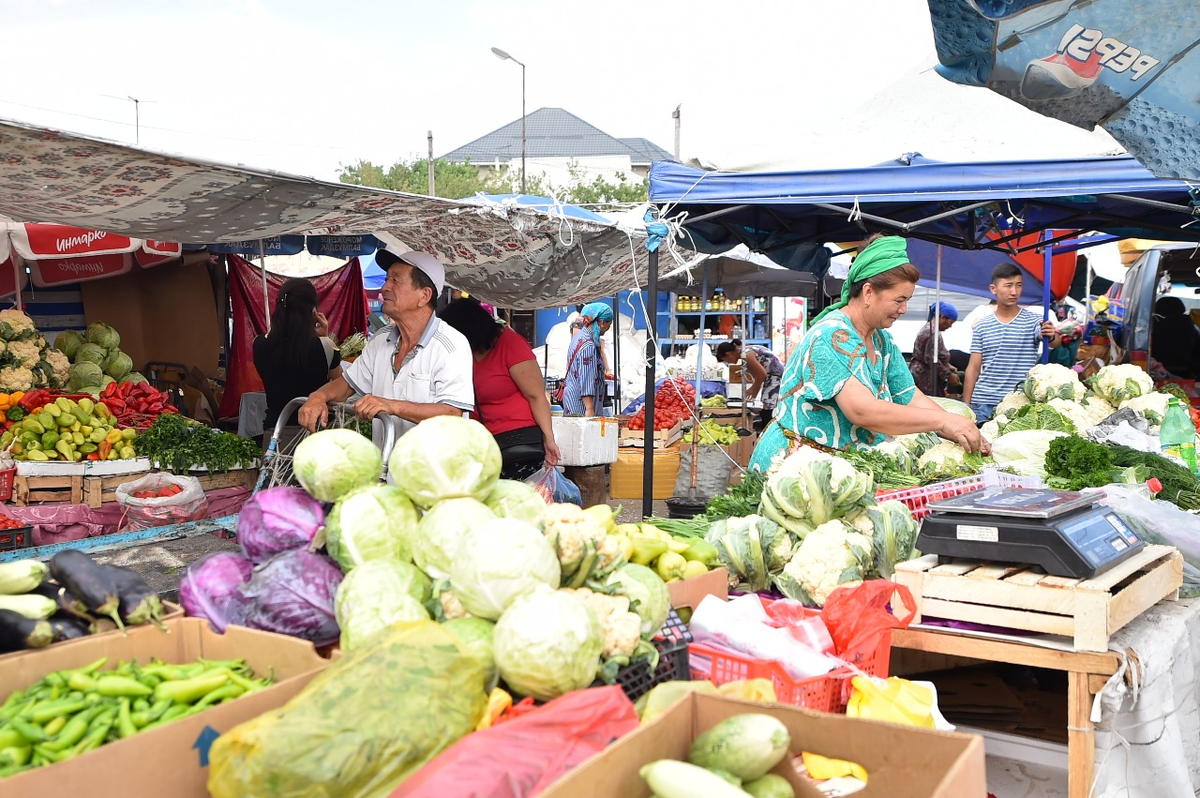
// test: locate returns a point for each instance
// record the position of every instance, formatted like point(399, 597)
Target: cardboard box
point(172, 759)
point(586, 441)
point(901, 761)
point(171, 611)
point(690, 592)
point(625, 477)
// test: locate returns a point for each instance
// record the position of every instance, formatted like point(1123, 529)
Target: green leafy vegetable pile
point(179, 444)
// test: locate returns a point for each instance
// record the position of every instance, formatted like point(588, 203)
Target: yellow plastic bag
point(895, 700)
point(361, 727)
point(822, 767)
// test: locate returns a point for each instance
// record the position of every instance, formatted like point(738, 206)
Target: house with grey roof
point(560, 146)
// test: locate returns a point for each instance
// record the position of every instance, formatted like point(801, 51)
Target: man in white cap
point(416, 367)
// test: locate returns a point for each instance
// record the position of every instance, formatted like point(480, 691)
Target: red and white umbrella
point(57, 254)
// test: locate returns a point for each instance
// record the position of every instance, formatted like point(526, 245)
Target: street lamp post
point(503, 56)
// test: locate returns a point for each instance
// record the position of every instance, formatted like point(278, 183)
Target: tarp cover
point(1129, 65)
point(505, 255)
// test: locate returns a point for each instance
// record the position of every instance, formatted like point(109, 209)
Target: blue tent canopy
point(533, 202)
point(956, 204)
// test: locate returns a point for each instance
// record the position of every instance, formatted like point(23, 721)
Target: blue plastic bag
point(552, 486)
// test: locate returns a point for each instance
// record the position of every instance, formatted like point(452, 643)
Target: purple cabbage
point(292, 593)
point(278, 519)
point(209, 589)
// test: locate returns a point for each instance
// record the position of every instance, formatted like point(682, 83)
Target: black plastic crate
point(19, 538)
point(672, 644)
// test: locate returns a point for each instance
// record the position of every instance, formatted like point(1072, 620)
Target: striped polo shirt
point(1009, 352)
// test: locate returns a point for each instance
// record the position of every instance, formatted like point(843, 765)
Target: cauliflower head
point(831, 555)
point(620, 627)
point(16, 378)
point(581, 543)
point(1048, 380)
point(16, 326)
point(24, 353)
point(1080, 416)
point(990, 430)
point(60, 365)
point(1150, 406)
point(946, 456)
point(1098, 409)
point(1117, 383)
point(1010, 404)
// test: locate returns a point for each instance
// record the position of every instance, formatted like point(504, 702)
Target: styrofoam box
point(586, 441)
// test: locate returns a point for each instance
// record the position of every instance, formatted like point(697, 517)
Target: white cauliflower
point(830, 556)
point(583, 546)
point(61, 366)
point(621, 628)
point(15, 325)
point(1047, 380)
point(990, 430)
point(860, 521)
point(1151, 406)
point(1079, 415)
point(947, 455)
point(1010, 404)
point(1098, 409)
point(24, 353)
point(1117, 383)
point(15, 378)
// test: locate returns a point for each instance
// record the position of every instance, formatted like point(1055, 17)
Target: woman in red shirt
point(510, 391)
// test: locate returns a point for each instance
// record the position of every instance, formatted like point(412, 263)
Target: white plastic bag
point(182, 499)
point(1161, 523)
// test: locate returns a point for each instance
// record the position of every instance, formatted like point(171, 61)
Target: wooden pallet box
point(1022, 597)
point(662, 437)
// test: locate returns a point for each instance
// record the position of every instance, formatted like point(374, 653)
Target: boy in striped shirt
point(1004, 346)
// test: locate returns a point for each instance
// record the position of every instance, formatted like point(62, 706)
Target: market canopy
point(980, 205)
point(1128, 65)
point(509, 255)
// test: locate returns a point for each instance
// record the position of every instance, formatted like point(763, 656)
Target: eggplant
point(93, 584)
point(138, 603)
point(18, 633)
point(67, 627)
point(67, 603)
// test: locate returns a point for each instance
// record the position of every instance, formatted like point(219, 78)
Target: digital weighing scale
point(1065, 533)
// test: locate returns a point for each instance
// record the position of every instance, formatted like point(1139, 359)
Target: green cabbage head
point(68, 342)
point(499, 562)
point(374, 596)
point(441, 530)
point(331, 463)
point(513, 499)
point(371, 523)
point(83, 375)
point(103, 335)
point(91, 353)
point(548, 643)
point(118, 364)
point(445, 457)
point(477, 635)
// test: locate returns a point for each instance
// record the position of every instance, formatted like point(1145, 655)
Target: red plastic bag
point(858, 617)
point(802, 623)
point(523, 756)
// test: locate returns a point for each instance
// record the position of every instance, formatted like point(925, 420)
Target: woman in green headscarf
point(847, 383)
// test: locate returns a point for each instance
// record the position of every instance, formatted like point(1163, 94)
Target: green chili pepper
point(144, 718)
point(97, 733)
point(231, 664)
point(249, 685)
point(30, 731)
point(190, 690)
point(55, 725)
point(53, 709)
point(231, 690)
point(17, 755)
point(12, 771)
point(10, 737)
point(121, 686)
point(44, 755)
point(141, 705)
point(125, 727)
point(73, 732)
point(81, 682)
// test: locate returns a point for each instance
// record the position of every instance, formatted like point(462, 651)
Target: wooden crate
point(1021, 597)
point(97, 490)
point(662, 437)
point(34, 489)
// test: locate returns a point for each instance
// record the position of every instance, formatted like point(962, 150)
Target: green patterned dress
point(830, 353)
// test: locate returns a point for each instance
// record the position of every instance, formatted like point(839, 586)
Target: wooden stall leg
point(1081, 736)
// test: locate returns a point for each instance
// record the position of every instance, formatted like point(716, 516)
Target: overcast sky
point(303, 86)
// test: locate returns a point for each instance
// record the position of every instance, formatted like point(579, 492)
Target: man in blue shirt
point(1004, 346)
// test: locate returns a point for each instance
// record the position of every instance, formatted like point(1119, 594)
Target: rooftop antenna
point(137, 122)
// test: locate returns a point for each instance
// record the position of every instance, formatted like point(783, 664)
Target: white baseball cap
point(396, 250)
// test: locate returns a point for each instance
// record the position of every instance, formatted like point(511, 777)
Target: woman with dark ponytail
point(295, 358)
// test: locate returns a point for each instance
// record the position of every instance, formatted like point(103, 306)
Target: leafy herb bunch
point(179, 444)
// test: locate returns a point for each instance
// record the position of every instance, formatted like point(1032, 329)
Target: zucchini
point(21, 576)
point(771, 785)
point(669, 778)
point(746, 745)
point(30, 605)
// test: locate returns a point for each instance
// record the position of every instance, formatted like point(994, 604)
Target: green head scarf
point(881, 255)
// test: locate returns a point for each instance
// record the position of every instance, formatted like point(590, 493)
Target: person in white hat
point(415, 368)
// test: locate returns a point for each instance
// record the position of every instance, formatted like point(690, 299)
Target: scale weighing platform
point(1065, 533)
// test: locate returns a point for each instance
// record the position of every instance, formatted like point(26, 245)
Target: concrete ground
point(163, 564)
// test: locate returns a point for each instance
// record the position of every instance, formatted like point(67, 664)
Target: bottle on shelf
point(1177, 436)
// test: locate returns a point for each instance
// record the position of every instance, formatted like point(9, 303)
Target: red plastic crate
point(915, 499)
point(6, 483)
point(829, 692)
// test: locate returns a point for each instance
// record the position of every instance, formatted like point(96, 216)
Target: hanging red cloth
point(340, 297)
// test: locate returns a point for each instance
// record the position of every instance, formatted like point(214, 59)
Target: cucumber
point(669, 778)
point(771, 785)
point(22, 576)
point(745, 745)
point(31, 605)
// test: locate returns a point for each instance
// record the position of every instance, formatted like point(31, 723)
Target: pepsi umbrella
point(1130, 66)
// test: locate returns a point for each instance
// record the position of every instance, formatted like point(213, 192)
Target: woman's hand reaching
point(320, 323)
point(963, 431)
point(552, 453)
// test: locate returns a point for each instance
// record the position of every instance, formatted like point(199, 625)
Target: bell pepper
point(15, 413)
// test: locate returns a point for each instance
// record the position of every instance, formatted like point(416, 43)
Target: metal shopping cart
point(277, 459)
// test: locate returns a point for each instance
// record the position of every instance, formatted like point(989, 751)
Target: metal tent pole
point(936, 321)
point(700, 331)
point(651, 360)
point(1047, 275)
point(262, 267)
point(616, 364)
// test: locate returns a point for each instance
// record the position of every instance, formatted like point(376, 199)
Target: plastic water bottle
point(1177, 435)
